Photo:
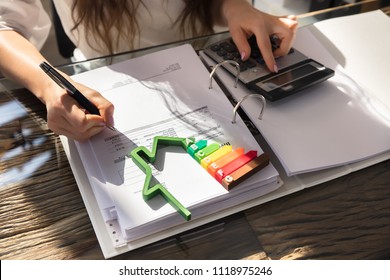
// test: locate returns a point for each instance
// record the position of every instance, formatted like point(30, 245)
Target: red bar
point(234, 165)
point(226, 159)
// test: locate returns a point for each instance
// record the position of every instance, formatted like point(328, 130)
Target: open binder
point(162, 94)
point(170, 95)
point(344, 120)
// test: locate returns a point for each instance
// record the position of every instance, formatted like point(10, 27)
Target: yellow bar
point(215, 156)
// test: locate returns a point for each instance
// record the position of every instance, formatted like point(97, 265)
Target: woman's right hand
point(66, 117)
point(244, 20)
point(19, 61)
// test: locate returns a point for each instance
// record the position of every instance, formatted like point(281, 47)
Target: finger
point(71, 121)
point(264, 44)
point(290, 22)
point(286, 36)
point(106, 110)
point(89, 133)
point(284, 47)
point(292, 17)
point(91, 126)
point(75, 116)
point(240, 39)
point(77, 135)
point(105, 107)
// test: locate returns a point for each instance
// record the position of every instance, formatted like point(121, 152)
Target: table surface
point(42, 215)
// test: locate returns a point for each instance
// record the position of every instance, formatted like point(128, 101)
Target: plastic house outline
point(236, 165)
point(141, 156)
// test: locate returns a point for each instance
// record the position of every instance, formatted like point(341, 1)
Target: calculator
point(296, 70)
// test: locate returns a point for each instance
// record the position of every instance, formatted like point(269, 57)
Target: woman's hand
point(19, 61)
point(244, 21)
point(66, 117)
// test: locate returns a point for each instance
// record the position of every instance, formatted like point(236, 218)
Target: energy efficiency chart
point(228, 167)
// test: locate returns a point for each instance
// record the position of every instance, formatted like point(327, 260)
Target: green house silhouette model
point(240, 166)
point(141, 156)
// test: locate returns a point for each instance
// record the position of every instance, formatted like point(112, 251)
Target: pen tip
point(112, 128)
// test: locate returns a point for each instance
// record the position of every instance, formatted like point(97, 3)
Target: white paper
point(361, 45)
point(163, 94)
point(104, 231)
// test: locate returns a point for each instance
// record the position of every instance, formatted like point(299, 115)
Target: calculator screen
point(289, 76)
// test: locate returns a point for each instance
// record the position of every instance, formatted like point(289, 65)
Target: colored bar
point(234, 165)
point(245, 171)
point(214, 166)
point(215, 156)
point(199, 155)
point(192, 149)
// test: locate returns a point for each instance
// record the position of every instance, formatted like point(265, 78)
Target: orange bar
point(245, 171)
point(213, 167)
point(234, 165)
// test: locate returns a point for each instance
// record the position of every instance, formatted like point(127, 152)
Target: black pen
point(71, 89)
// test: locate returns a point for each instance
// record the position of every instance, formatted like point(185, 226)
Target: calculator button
point(250, 63)
point(260, 60)
point(215, 48)
point(228, 56)
point(236, 54)
point(221, 53)
point(243, 67)
point(255, 54)
point(228, 47)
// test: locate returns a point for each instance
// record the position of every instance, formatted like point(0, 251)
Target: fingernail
point(110, 121)
point(243, 55)
point(276, 70)
point(101, 124)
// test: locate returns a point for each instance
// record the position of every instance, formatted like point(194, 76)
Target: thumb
point(108, 115)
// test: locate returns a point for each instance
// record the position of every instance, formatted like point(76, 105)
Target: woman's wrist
point(229, 8)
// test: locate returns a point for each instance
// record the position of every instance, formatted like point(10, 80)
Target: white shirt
point(29, 18)
point(26, 17)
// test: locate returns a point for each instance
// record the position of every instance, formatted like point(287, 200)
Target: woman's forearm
point(224, 8)
point(19, 61)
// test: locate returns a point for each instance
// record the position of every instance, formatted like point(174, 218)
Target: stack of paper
point(163, 94)
point(317, 135)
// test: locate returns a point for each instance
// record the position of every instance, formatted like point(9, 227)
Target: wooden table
point(42, 215)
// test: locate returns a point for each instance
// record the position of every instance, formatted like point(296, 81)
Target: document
point(322, 133)
point(163, 94)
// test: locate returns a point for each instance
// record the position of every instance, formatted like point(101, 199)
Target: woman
point(99, 27)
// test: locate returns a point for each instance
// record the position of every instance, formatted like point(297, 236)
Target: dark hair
point(99, 17)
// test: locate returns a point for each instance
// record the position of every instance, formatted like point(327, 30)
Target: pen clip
point(58, 81)
point(58, 78)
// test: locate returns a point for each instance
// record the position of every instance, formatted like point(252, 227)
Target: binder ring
point(242, 100)
point(221, 63)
